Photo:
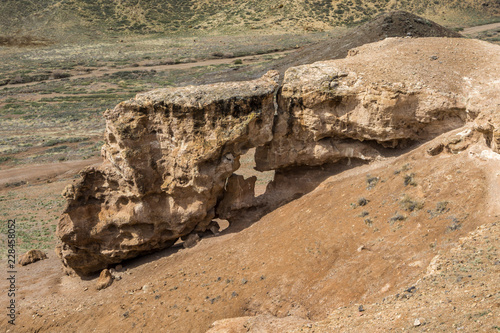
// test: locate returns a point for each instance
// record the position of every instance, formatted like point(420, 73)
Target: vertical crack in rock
point(167, 156)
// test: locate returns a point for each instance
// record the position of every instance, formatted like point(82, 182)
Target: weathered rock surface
point(32, 256)
point(168, 154)
point(105, 280)
point(239, 194)
point(352, 107)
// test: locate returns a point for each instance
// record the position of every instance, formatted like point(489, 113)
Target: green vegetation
point(35, 227)
point(80, 81)
point(85, 19)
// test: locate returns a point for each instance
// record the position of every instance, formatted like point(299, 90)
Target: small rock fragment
point(191, 240)
point(105, 280)
point(32, 256)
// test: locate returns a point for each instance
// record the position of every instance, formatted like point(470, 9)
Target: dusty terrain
point(344, 257)
point(407, 242)
point(306, 259)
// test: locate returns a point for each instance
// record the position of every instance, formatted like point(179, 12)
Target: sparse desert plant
point(362, 201)
point(371, 181)
point(404, 168)
point(408, 204)
point(397, 217)
point(441, 208)
point(410, 180)
point(455, 224)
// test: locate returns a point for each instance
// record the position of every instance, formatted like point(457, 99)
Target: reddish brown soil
point(305, 259)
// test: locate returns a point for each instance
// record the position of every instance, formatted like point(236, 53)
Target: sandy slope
point(305, 259)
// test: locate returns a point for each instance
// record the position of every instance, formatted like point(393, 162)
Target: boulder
point(32, 256)
point(105, 280)
point(167, 156)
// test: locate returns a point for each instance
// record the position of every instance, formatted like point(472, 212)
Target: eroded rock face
point(386, 94)
point(170, 153)
point(167, 155)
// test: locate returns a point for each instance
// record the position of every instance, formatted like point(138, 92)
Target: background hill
point(67, 19)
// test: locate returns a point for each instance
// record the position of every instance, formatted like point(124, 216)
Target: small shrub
point(409, 180)
point(441, 207)
point(405, 167)
point(57, 149)
point(410, 205)
point(364, 213)
point(455, 224)
point(397, 217)
point(371, 181)
point(60, 75)
point(368, 222)
point(238, 62)
point(5, 158)
point(362, 201)
point(217, 54)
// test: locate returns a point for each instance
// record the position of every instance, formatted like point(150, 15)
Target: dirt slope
point(305, 259)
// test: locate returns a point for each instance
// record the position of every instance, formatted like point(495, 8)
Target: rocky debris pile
point(170, 153)
point(32, 256)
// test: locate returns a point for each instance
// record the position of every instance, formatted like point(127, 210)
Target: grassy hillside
point(74, 19)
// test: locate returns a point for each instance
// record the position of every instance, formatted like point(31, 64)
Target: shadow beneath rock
point(148, 258)
point(288, 185)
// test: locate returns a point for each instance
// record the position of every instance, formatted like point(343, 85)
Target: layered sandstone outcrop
point(382, 95)
point(170, 153)
point(167, 156)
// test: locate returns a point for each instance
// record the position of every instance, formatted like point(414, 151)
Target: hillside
point(72, 20)
point(365, 240)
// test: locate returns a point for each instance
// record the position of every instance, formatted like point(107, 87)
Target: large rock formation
point(167, 156)
point(375, 98)
point(169, 153)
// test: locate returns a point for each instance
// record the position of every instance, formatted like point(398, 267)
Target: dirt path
point(211, 62)
point(480, 28)
point(43, 172)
